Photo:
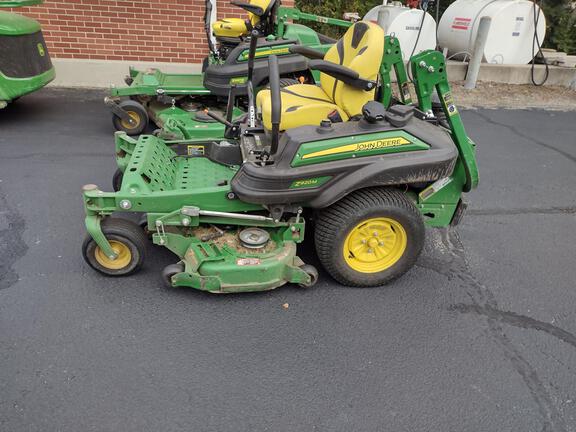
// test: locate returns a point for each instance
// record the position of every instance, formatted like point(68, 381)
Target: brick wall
point(132, 30)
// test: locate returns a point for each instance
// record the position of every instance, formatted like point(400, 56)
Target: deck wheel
point(312, 272)
point(117, 180)
point(170, 271)
point(137, 113)
point(128, 241)
point(370, 237)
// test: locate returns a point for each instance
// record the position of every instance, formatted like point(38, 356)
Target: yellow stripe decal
point(360, 147)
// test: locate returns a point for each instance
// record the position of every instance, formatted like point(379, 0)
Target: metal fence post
point(478, 53)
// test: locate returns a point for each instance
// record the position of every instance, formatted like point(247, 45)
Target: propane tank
point(404, 23)
point(511, 35)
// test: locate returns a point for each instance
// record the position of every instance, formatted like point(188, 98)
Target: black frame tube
point(250, 84)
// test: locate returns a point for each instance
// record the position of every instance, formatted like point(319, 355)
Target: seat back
point(265, 5)
point(360, 49)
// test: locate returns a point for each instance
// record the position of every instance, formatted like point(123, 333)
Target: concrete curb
point(103, 74)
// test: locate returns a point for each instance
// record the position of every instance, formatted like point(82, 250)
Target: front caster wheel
point(312, 272)
point(170, 271)
point(138, 115)
point(370, 237)
point(128, 242)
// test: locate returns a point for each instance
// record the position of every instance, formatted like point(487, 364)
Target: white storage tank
point(511, 34)
point(404, 23)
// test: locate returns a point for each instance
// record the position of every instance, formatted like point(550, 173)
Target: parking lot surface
point(479, 336)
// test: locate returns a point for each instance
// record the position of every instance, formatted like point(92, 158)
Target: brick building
point(104, 35)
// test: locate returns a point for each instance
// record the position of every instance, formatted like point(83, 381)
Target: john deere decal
point(360, 147)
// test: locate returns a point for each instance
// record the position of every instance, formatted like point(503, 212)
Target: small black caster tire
point(117, 180)
point(137, 112)
point(127, 239)
point(312, 272)
point(170, 271)
point(370, 237)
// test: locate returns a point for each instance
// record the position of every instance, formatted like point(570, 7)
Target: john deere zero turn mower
point(153, 94)
point(233, 212)
point(25, 65)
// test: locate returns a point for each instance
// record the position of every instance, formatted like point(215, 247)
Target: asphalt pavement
point(479, 336)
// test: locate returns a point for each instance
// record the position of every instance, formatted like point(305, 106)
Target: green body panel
point(12, 24)
point(356, 146)
point(304, 35)
point(277, 50)
point(12, 88)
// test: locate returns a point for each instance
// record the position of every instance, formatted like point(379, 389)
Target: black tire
point(284, 82)
point(312, 272)
point(126, 236)
point(135, 110)
point(170, 271)
point(117, 180)
point(335, 223)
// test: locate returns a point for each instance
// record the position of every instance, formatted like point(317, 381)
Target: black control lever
point(218, 118)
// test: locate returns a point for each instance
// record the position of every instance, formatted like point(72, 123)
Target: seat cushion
point(230, 27)
point(302, 105)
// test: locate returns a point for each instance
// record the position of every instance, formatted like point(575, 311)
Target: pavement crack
point(517, 320)
point(484, 302)
point(517, 211)
point(527, 137)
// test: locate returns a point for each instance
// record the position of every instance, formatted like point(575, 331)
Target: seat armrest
point(342, 73)
point(307, 52)
point(256, 10)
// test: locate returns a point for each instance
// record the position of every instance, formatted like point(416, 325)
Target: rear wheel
point(370, 237)
point(138, 114)
point(128, 242)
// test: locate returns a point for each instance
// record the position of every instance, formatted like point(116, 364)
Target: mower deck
point(153, 82)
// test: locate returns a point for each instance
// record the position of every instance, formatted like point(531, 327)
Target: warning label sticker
point(461, 23)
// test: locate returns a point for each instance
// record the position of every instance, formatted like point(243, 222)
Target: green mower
point(25, 65)
point(153, 94)
point(369, 178)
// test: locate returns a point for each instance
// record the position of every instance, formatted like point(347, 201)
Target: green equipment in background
point(154, 95)
point(233, 210)
point(25, 64)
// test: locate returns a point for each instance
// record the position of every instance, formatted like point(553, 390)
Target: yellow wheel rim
point(375, 245)
point(134, 116)
point(123, 259)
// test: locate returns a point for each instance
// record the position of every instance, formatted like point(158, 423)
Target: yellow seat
point(231, 27)
point(302, 104)
point(240, 27)
point(360, 49)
